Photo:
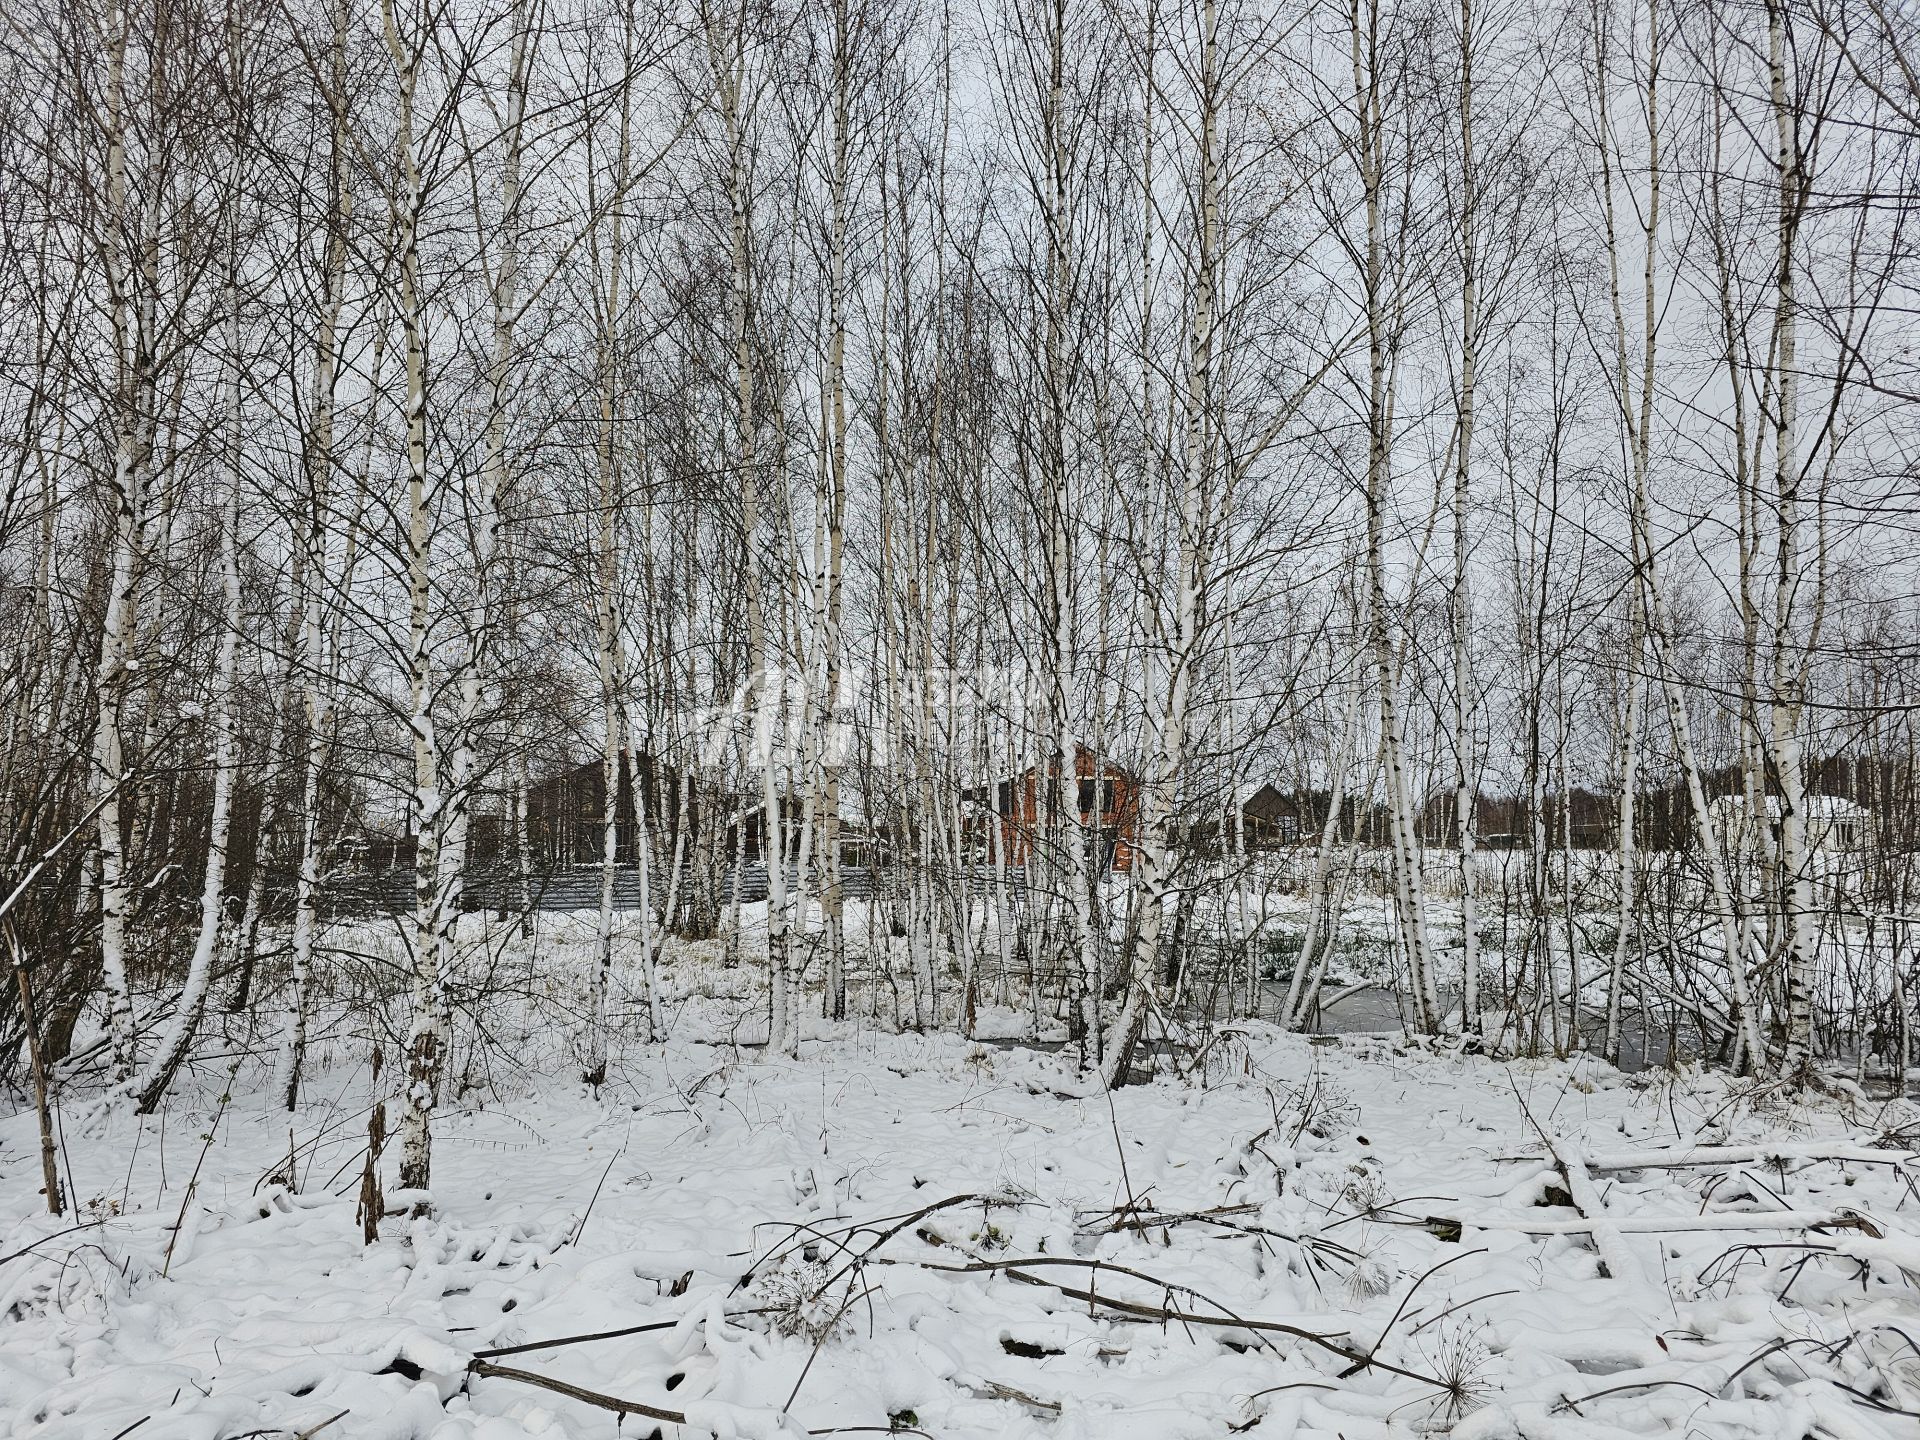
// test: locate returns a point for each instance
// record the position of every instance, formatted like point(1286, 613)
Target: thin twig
point(193, 1181)
point(580, 1229)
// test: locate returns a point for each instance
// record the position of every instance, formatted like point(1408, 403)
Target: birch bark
point(1637, 417)
point(316, 683)
point(427, 1034)
point(130, 302)
point(1409, 888)
point(618, 764)
point(151, 1084)
point(1460, 612)
point(1786, 756)
point(1161, 793)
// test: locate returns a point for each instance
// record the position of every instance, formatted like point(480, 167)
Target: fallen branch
point(1128, 1217)
point(624, 1408)
point(882, 1230)
point(1667, 1224)
point(30, 1249)
point(1692, 1156)
point(1164, 1314)
point(1614, 1255)
point(620, 1407)
point(994, 1390)
point(1116, 1221)
point(556, 1343)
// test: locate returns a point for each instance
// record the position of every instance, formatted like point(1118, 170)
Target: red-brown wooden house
point(1105, 796)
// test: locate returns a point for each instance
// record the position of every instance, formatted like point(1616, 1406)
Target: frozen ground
point(957, 1240)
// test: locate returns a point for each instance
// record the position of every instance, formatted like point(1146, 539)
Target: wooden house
point(1270, 819)
point(566, 813)
point(1105, 797)
point(864, 841)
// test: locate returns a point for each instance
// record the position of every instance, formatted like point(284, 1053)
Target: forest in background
point(846, 407)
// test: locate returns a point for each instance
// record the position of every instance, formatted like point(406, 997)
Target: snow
point(854, 1240)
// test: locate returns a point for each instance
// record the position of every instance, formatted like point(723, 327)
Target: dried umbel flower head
point(1369, 1279)
point(1462, 1362)
point(795, 1294)
point(1365, 1188)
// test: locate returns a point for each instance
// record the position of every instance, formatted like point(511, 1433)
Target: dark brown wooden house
point(566, 812)
point(1270, 819)
point(864, 840)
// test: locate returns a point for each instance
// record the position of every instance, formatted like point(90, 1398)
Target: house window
point(1103, 788)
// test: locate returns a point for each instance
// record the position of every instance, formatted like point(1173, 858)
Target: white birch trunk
point(152, 1083)
point(132, 439)
point(727, 57)
point(1408, 887)
point(1161, 793)
point(1626, 847)
point(616, 751)
point(1316, 944)
point(1461, 612)
point(316, 655)
point(1638, 420)
point(427, 1034)
point(1783, 730)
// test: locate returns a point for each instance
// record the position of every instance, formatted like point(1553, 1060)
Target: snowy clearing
point(946, 1238)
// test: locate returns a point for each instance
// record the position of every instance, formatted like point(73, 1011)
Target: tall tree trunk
point(427, 1035)
point(1785, 755)
point(1161, 793)
point(131, 303)
point(1460, 608)
point(1626, 855)
point(1637, 417)
point(618, 763)
point(1409, 890)
point(149, 1086)
point(315, 653)
point(1316, 944)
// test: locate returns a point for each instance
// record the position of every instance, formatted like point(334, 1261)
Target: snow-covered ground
point(1338, 1237)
